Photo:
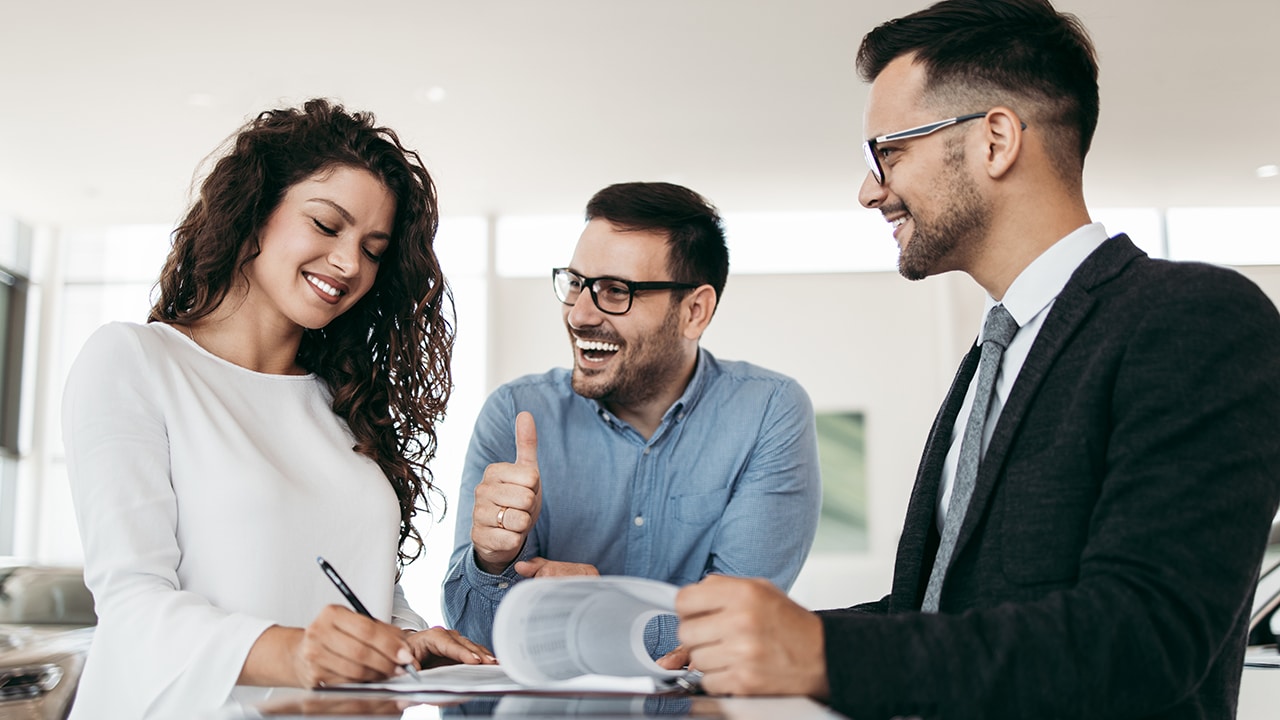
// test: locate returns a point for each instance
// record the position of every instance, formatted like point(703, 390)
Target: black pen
point(355, 602)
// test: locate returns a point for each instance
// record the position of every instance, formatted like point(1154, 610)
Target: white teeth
point(899, 222)
point(325, 287)
point(594, 345)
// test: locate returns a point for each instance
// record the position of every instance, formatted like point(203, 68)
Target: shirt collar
point(1041, 281)
point(692, 392)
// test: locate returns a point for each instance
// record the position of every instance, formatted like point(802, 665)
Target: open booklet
point(580, 634)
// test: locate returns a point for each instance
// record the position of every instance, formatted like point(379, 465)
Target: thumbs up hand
point(508, 500)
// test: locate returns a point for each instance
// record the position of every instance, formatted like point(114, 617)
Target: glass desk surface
point(353, 705)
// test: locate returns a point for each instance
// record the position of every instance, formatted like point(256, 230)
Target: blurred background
point(522, 110)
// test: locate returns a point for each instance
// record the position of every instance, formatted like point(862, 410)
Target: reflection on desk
point(315, 704)
point(303, 704)
point(580, 706)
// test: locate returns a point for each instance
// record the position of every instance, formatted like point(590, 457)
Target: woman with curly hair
point(280, 404)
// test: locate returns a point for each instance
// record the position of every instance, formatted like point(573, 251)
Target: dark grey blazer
point(1107, 561)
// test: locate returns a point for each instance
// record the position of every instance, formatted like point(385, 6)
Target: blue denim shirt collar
point(703, 370)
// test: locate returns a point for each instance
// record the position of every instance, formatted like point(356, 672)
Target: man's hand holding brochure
point(571, 634)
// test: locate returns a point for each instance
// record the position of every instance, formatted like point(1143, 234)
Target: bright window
point(1144, 226)
point(530, 245)
point(812, 242)
point(1226, 236)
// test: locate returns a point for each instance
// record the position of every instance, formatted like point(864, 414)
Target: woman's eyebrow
point(348, 217)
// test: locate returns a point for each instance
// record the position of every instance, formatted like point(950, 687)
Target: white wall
point(1267, 277)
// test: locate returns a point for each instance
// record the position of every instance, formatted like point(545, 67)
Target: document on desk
point(578, 634)
point(493, 679)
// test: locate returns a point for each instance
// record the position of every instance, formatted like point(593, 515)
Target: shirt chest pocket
point(699, 508)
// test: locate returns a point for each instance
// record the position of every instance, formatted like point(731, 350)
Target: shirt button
point(503, 585)
point(646, 451)
point(639, 520)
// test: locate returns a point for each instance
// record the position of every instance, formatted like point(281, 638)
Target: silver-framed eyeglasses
point(612, 295)
point(872, 155)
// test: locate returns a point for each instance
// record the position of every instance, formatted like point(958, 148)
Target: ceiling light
point(1268, 171)
point(433, 94)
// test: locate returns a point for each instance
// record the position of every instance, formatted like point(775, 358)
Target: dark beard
point(656, 359)
point(963, 219)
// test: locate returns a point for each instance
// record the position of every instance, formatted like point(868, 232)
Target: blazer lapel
point(914, 561)
point(1069, 310)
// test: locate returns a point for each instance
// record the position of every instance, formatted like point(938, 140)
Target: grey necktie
point(996, 334)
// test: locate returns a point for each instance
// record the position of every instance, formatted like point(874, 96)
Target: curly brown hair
point(386, 360)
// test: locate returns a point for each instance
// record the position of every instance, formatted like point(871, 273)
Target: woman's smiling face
point(320, 248)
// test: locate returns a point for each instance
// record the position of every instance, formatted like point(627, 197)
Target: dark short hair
point(696, 250)
point(1012, 52)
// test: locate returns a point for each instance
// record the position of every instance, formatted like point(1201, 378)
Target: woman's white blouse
point(204, 493)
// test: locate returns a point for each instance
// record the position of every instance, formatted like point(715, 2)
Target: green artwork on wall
point(843, 459)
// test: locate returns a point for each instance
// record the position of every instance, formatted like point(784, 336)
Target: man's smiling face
point(624, 360)
point(928, 195)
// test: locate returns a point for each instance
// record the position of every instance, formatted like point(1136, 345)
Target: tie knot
point(999, 328)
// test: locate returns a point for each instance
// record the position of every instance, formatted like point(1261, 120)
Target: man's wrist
point(492, 568)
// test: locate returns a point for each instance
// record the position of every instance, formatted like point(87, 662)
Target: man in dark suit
point(1091, 549)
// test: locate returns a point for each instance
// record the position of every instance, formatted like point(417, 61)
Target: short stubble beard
point(961, 223)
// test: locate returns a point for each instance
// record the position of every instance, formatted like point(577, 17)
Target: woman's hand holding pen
point(438, 646)
point(338, 646)
point(344, 646)
point(432, 647)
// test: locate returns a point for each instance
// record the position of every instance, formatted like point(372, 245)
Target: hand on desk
point(338, 646)
point(748, 638)
point(440, 646)
point(507, 503)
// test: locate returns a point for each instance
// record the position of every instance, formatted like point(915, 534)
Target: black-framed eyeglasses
point(612, 295)
point(873, 157)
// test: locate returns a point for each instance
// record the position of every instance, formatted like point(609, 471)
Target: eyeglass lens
point(611, 296)
point(873, 162)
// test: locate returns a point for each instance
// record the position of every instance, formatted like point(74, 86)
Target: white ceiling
point(107, 108)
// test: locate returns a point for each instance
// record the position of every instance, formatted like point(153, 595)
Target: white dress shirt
point(1028, 300)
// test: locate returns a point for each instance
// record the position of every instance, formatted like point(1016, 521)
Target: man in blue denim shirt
point(659, 460)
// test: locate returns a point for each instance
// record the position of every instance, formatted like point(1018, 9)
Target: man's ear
point(699, 306)
point(1003, 138)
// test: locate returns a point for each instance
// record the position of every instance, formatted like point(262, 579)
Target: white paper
point(549, 629)
point(487, 679)
point(580, 634)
